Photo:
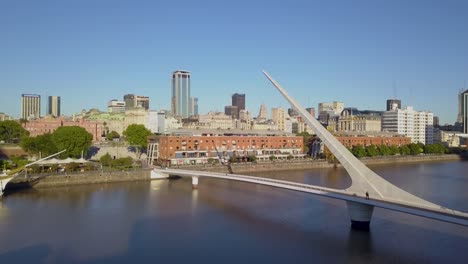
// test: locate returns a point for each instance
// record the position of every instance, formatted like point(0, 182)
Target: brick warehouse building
point(350, 141)
point(49, 125)
point(198, 149)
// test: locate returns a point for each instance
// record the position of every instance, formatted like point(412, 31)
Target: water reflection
point(229, 222)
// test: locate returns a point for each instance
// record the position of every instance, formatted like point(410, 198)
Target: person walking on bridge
point(367, 195)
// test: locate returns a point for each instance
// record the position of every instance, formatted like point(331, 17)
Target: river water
point(165, 221)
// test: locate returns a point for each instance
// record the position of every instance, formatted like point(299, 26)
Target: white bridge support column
point(3, 184)
point(195, 182)
point(360, 214)
point(158, 175)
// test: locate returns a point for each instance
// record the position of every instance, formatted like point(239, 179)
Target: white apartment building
point(278, 116)
point(416, 125)
point(153, 125)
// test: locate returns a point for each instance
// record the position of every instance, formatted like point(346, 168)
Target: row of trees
point(76, 140)
point(70, 167)
point(384, 150)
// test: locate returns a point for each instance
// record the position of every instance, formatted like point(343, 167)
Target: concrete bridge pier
point(195, 182)
point(360, 214)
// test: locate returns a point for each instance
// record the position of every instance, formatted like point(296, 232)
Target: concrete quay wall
point(411, 159)
point(317, 164)
point(91, 177)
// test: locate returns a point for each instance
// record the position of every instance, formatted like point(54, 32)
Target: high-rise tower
point(263, 114)
point(181, 102)
point(464, 110)
point(53, 106)
point(239, 101)
point(30, 106)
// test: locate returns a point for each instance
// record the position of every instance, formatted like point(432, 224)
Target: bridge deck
point(438, 213)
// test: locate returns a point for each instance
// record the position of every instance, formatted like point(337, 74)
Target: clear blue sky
point(358, 52)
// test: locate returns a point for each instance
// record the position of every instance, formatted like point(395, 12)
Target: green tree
point(429, 149)
point(372, 151)
point(416, 149)
point(434, 149)
point(405, 150)
point(384, 150)
point(441, 149)
point(137, 136)
point(252, 158)
point(394, 150)
point(18, 161)
point(359, 151)
point(123, 163)
point(111, 135)
point(12, 131)
point(306, 137)
point(3, 165)
point(43, 144)
point(106, 160)
point(74, 139)
point(234, 159)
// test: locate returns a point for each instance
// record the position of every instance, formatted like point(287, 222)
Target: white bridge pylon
point(382, 193)
point(363, 179)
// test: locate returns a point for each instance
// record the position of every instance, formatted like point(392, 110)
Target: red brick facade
point(169, 145)
point(367, 141)
point(43, 126)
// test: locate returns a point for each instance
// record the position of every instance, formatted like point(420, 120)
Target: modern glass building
point(53, 106)
point(181, 102)
point(464, 110)
point(194, 105)
point(239, 101)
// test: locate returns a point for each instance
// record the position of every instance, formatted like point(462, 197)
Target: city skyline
point(410, 51)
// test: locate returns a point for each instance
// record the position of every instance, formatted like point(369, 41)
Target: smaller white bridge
point(5, 178)
point(360, 218)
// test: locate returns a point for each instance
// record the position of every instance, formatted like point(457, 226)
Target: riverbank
point(92, 177)
point(317, 164)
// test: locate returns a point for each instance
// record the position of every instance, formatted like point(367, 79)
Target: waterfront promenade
point(131, 175)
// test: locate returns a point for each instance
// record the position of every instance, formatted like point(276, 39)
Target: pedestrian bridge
point(364, 181)
point(354, 200)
